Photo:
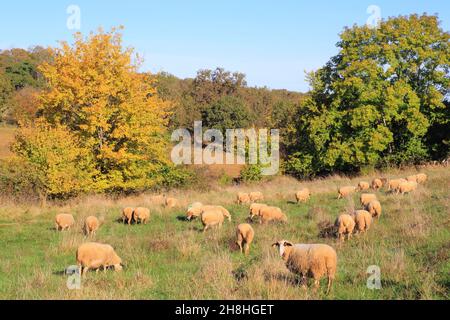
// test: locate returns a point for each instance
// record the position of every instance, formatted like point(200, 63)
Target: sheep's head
point(284, 247)
point(118, 267)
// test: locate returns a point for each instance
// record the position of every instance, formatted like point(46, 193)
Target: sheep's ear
point(276, 244)
point(288, 244)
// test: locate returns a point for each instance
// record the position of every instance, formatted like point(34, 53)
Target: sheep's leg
point(330, 281)
point(316, 284)
point(205, 228)
point(239, 243)
point(85, 270)
point(247, 249)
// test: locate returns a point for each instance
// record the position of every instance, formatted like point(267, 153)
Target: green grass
point(171, 259)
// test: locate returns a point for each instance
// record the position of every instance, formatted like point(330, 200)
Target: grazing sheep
point(412, 178)
point(309, 260)
point(127, 215)
point(256, 196)
point(363, 185)
point(406, 187)
point(64, 221)
point(302, 195)
point(141, 215)
point(171, 203)
point(374, 208)
point(363, 220)
point(254, 209)
point(365, 198)
point(213, 217)
point(421, 178)
point(243, 198)
point(346, 191)
point(92, 255)
point(91, 225)
point(197, 211)
point(195, 205)
point(394, 183)
point(377, 184)
point(268, 214)
point(244, 235)
point(344, 225)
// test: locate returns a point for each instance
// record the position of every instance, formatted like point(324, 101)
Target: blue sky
point(272, 42)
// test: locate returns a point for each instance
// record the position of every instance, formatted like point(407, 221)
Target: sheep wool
point(345, 224)
point(171, 203)
point(363, 220)
point(363, 185)
point(243, 198)
point(377, 184)
point(244, 237)
point(255, 208)
point(268, 214)
point(365, 198)
point(302, 195)
point(346, 191)
point(421, 178)
point(256, 196)
point(141, 215)
point(92, 255)
point(64, 221)
point(91, 225)
point(212, 218)
point(127, 215)
point(406, 187)
point(374, 208)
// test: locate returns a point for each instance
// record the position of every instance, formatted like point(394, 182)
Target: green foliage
point(251, 173)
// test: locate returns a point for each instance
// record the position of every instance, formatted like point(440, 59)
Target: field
point(170, 258)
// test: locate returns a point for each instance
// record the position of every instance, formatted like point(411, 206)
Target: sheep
point(171, 203)
point(302, 195)
point(421, 178)
point(268, 214)
point(377, 184)
point(244, 235)
point(309, 260)
point(363, 220)
point(365, 198)
point(406, 187)
point(254, 209)
point(346, 191)
point(64, 221)
point(213, 217)
point(141, 215)
point(197, 211)
point(363, 185)
point(256, 196)
point(374, 208)
point(243, 198)
point(345, 224)
point(92, 255)
point(127, 215)
point(91, 225)
point(195, 205)
point(394, 183)
point(412, 178)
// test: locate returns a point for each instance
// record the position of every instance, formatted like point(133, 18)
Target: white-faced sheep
point(302, 195)
point(171, 203)
point(92, 255)
point(374, 208)
point(345, 224)
point(244, 237)
point(141, 215)
point(64, 221)
point(309, 260)
point(363, 185)
point(365, 198)
point(346, 191)
point(127, 215)
point(363, 220)
point(377, 184)
point(243, 198)
point(213, 217)
point(268, 214)
point(91, 225)
point(406, 187)
point(256, 196)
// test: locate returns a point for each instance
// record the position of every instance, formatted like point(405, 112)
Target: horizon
point(272, 44)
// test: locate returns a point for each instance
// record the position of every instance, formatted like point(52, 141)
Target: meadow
point(170, 258)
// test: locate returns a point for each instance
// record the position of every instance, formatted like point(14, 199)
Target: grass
point(170, 258)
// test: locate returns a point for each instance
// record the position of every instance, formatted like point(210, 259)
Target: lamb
point(377, 184)
point(91, 225)
point(394, 183)
point(421, 178)
point(256, 196)
point(346, 191)
point(244, 235)
point(365, 198)
point(309, 260)
point(127, 215)
point(213, 217)
point(406, 187)
point(363, 185)
point(374, 208)
point(345, 224)
point(243, 198)
point(268, 214)
point(92, 255)
point(141, 215)
point(64, 221)
point(171, 203)
point(363, 220)
point(302, 195)
point(255, 208)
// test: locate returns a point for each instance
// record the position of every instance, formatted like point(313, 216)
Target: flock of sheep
point(307, 260)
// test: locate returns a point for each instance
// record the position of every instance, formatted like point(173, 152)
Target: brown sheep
point(268, 214)
point(243, 198)
point(377, 184)
point(92, 255)
point(256, 196)
point(91, 225)
point(365, 198)
point(127, 215)
point(141, 215)
point(309, 260)
point(244, 235)
point(346, 191)
point(374, 208)
point(64, 221)
point(344, 225)
point(363, 185)
point(302, 195)
point(363, 220)
point(196, 211)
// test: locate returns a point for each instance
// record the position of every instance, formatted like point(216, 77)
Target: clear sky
point(272, 42)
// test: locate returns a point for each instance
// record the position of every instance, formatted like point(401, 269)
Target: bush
point(251, 173)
